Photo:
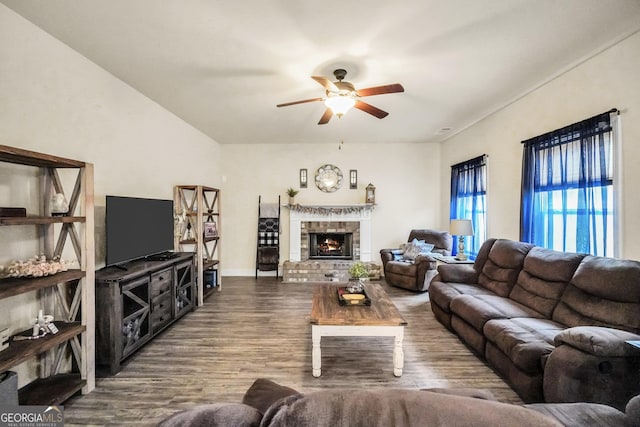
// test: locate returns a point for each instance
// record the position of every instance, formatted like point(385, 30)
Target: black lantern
point(353, 179)
point(303, 178)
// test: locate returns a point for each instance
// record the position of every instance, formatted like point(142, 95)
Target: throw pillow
point(411, 250)
point(426, 248)
point(397, 254)
point(415, 248)
point(264, 392)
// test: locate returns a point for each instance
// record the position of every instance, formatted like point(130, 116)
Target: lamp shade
point(461, 227)
point(340, 104)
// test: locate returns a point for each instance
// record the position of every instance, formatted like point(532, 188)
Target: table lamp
point(461, 228)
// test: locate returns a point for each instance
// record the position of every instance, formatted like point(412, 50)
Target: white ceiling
point(222, 66)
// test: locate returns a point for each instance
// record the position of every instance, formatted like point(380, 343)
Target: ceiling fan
point(342, 95)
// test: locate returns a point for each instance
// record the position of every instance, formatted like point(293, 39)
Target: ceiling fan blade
point(326, 117)
point(379, 90)
point(368, 108)
point(326, 83)
point(286, 104)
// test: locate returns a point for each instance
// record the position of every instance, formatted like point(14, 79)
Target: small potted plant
point(359, 273)
point(291, 193)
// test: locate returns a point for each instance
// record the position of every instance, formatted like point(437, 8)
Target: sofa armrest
point(592, 364)
point(425, 258)
point(387, 255)
point(599, 341)
point(457, 273)
point(425, 270)
point(391, 254)
point(633, 410)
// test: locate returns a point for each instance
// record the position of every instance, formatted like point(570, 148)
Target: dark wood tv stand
point(136, 301)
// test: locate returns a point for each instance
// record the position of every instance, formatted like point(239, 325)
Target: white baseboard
point(252, 273)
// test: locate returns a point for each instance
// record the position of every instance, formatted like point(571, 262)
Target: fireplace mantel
point(331, 209)
point(360, 213)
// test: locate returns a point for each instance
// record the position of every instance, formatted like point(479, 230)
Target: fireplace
point(354, 219)
point(330, 245)
point(352, 223)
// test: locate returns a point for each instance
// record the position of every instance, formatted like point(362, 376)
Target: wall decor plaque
point(328, 178)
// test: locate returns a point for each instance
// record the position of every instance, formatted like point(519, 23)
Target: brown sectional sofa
point(553, 324)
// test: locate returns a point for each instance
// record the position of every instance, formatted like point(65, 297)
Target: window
point(567, 188)
point(468, 200)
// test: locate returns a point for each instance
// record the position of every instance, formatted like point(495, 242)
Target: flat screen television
point(137, 228)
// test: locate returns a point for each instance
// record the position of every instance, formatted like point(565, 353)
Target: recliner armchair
point(416, 274)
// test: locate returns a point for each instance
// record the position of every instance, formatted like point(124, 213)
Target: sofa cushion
point(442, 293)
point(583, 414)
point(599, 341)
point(398, 408)
point(401, 267)
point(602, 292)
point(457, 273)
point(478, 309)
point(215, 415)
point(544, 277)
point(502, 266)
point(263, 392)
point(525, 341)
point(483, 254)
point(477, 393)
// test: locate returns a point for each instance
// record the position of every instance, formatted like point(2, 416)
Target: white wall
point(608, 80)
point(406, 177)
point(55, 101)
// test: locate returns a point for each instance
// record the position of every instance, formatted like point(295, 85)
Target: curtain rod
point(611, 111)
point(477, 159)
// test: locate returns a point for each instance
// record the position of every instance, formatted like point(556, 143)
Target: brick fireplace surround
point(328, 227)
point(354, 219)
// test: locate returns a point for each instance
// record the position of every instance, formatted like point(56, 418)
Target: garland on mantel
point(331, 210)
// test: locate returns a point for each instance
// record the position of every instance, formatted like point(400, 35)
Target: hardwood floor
point(260, 328)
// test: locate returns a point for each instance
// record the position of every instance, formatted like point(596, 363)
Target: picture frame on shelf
point(210, 229)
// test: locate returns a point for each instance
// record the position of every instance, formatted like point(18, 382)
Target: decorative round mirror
point(328, 178)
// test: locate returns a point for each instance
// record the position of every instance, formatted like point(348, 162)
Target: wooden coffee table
point(330, 319)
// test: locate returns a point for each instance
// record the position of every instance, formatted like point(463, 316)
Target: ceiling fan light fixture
point(341, 96)
point(340, 104)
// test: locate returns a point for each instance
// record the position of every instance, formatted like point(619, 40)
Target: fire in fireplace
point(331, 245)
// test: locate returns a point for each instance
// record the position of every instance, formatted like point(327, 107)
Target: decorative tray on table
point(353, 298)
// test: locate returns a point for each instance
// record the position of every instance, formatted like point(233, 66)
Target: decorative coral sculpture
point(38, 266)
